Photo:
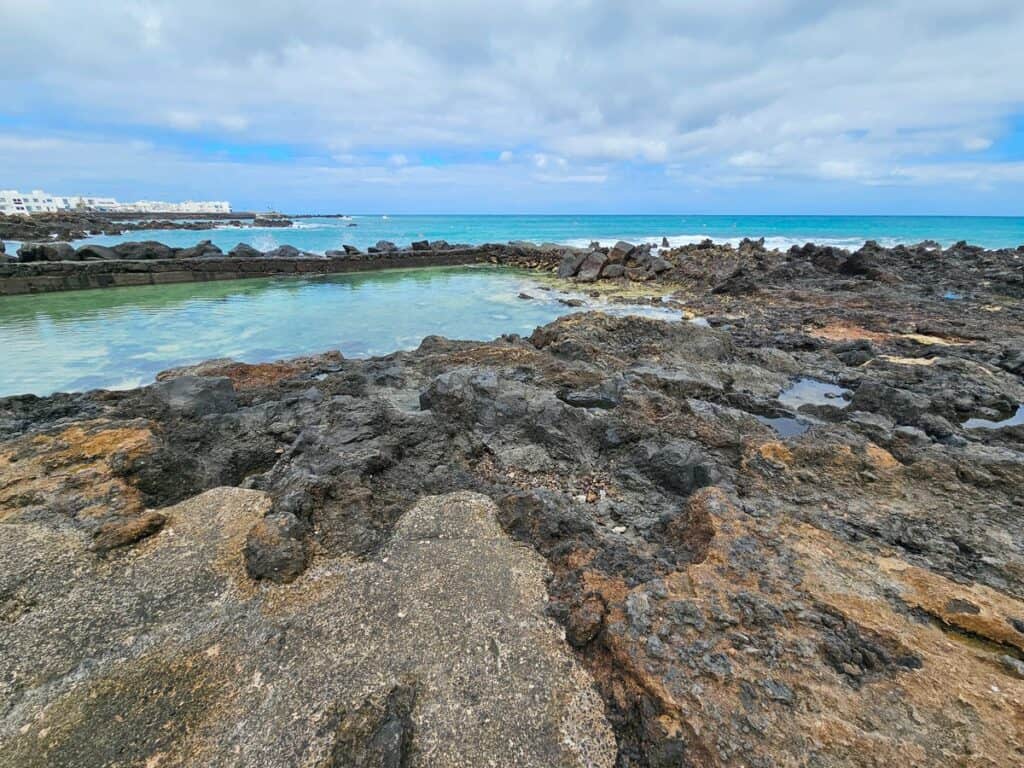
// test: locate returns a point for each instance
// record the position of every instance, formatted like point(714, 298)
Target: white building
point(189, 206)
point(14, 202)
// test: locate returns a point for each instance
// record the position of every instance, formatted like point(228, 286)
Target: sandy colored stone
point(170, 656)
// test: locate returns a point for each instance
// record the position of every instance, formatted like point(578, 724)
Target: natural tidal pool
point(119, 338)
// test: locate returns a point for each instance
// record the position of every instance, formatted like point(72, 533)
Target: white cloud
point(738, 91)
point(614, 147)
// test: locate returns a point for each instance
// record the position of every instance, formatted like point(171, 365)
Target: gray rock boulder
point(421, 245)
point(95, 253)
point(194, 395)
point(275, 550)
point(620, 252)
point(143, 251)
point(679, 466)
point(288, 252)
point(612, 271)
point(46, 252)
point(201, 250)
point(659, 265)
point(901, 405)
point(245, 251)
point(571, 263)
point(591, 267)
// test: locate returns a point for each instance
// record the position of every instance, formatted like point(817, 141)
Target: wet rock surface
point(582, 547)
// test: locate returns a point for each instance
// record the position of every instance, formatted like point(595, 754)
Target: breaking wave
point(780, 243)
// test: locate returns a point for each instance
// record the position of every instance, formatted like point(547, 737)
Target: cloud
point(977, 143)
point(739, 92)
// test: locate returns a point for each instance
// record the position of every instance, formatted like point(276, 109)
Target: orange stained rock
point(881, 459)
point(962, 705)
point(777, 453)
point(47, 470)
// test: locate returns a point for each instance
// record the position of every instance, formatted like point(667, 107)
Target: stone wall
point(46, 276)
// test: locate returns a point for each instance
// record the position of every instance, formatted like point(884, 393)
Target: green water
point(122, 337)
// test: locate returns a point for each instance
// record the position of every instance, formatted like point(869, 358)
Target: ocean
point(320, 234)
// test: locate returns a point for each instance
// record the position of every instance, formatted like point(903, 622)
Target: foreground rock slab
point(437, 652)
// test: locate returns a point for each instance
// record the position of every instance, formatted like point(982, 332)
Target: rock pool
point(122, 337)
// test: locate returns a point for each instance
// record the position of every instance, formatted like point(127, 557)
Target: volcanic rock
point(95, 253)
point(148, 249)
point(202, 250)
point(245, 251)
point(46, 252)
point(590, 268)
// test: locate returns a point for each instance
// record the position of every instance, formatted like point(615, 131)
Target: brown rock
point(126, 531)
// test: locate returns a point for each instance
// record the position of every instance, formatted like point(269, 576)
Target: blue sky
point(735, 106)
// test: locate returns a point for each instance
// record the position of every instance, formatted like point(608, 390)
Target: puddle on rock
point(813, 392)
point(786, 426)
point(805, 392)
point(1013, 421)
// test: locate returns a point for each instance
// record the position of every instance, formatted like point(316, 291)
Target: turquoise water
point(119, 338)
point(318, 235)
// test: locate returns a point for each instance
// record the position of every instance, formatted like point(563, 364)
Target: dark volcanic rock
point(679, 465)
point(283, 252)
point(195, 395)
point(620, 252)
point(379, 734)
point(202, 250)
point(272, 221)
point(46, 252)
point(148, 249)
point(903, 406)
point(95, 253)
point(570, 264)
point(124, 532)
point(244, 250)
point(275, 550)
point(611, 271)
point(590, 268)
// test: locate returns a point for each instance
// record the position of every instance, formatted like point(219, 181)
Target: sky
point(534, 106)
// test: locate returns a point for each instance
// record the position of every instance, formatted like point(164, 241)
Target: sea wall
point(47, 276)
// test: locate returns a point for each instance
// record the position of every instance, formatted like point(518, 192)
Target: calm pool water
point(120, 338)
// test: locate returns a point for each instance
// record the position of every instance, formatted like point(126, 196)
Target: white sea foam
point(265, 242)
point(780, 243)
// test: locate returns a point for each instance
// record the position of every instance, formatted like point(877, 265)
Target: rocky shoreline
point(77, 225)
point(788, 535)
point(722, 268)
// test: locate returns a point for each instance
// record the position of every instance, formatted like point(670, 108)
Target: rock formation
point(620, 541)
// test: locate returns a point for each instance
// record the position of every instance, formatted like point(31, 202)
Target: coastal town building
point(14, 202)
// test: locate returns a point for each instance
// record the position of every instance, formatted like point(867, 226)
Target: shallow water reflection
point(122, 337)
